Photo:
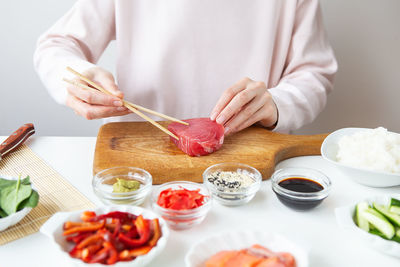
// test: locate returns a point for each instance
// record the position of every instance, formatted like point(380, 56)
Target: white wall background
point(364, 33)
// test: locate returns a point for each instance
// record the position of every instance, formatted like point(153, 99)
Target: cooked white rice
point(374, 149)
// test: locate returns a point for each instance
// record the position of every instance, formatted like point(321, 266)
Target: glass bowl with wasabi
point(232, 184)
point(122, 185)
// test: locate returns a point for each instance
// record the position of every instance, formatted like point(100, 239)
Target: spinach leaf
point(2, 214)
point(13, 195)
point(26, 181)
point(31, 201)
point(5, 183)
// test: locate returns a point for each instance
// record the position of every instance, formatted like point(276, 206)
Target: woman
point(239, 62)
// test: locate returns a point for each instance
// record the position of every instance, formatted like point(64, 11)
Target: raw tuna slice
point(201, 137)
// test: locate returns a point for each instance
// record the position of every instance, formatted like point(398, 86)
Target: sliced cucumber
point(376, 232)
point(394, 202)
point(379, 222)
point(393, 217)
point(361, 222)
point(395, 209)
point(394, 206)
point(397, 235)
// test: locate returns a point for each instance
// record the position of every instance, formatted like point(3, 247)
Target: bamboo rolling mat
point(55, 193)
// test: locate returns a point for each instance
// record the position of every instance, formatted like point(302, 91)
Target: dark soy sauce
point(301, 185)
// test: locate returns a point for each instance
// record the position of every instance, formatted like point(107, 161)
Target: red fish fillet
point(201, 137)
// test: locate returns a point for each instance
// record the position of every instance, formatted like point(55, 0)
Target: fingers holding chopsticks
point(91, 112)
point(93, 104)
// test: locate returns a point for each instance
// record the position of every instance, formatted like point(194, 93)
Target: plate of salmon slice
point(246, 249)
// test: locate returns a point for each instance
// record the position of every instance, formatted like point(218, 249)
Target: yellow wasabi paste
point(123, 186)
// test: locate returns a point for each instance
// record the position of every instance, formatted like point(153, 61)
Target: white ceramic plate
point(235, 240)
point(14, 218)
point(53, 229)
point(344, 217)
point(329, 151)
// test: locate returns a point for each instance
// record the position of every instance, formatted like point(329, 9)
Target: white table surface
point(317, 229)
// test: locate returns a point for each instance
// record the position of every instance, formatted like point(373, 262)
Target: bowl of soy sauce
point(300, 188)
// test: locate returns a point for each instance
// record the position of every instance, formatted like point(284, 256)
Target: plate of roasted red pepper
point(109, 235)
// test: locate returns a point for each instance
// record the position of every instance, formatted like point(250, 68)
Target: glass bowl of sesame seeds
point(232, 184)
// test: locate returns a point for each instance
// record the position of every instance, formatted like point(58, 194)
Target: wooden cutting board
point(140, 144)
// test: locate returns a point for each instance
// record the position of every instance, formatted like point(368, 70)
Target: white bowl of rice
point(368, 156)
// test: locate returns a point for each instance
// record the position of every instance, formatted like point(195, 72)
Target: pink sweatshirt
point(178, 56)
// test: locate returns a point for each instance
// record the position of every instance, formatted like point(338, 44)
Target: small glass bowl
point(103, 181)
point(240, 196)
point(182, 219)
point(300, 200)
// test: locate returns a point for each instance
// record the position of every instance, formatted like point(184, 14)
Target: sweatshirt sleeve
point(309, 70)
point(77, 40)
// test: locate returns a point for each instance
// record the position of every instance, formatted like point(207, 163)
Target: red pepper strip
point(123, 216)
point(143, 228)
point(87, 216)
point(69, 224)
point(71, 238)
point(78, 237)
point(90, 240)
point(85, 228)
point(75, 252)
point(127, 227)
point(156, 232)
point(88, 252)
point(110, 226)
point(132, 233)
point(113, 254)
point(130, 254)
point(117, 228)
point(100, 256)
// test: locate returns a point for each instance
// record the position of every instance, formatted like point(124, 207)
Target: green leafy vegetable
point(31, 201)
point(2, 214)
point(16, 195)
point(6, 183)
point(12, 196)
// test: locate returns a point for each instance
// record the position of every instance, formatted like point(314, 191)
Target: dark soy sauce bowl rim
point(308, 173)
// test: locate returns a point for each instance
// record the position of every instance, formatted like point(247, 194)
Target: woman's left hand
point(245, 103)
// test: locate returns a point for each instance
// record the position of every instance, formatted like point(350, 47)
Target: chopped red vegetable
point(84, 228)
point(130, 254)
point(87, 216)
point(112, 237)
point(155, 225)
point(180, 199)
point(143, 229)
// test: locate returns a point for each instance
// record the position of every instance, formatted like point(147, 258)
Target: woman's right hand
point(93, 104)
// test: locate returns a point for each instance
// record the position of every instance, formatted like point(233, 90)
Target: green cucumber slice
point(394, 202)
point(396, 238)
point(395, 209)
point(393, 217)
point(376, 232)
point(394, 206)
point(379, 222)
point(360, 221)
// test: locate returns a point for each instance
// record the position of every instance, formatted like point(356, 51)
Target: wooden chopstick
point(157, 113)
point(125, 103)
point(132, 104)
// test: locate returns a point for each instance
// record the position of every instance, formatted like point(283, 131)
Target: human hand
point(93, 104)
point(245, 103)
